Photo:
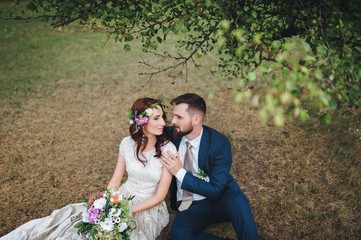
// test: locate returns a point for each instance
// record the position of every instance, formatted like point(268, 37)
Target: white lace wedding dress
point(142, 182)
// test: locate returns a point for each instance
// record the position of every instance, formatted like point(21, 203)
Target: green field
point(63, 113)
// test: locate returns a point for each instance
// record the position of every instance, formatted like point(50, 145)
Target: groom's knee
point(178, 232)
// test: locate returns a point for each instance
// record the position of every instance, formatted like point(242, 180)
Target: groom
point(202, 189)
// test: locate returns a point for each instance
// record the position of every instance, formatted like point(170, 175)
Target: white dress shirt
point(182, 172)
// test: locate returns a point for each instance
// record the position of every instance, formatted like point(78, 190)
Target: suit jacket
point(215, 159)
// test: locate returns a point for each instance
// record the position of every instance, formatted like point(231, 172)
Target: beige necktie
point(188, 166)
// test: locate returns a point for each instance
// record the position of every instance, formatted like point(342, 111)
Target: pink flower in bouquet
point(94, 214)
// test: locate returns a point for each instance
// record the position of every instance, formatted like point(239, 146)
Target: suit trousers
point(232, 206)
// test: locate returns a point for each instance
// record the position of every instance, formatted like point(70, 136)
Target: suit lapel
point(176, 142)
point(203, 148)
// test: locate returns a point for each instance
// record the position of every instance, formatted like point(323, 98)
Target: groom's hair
point(194, 101)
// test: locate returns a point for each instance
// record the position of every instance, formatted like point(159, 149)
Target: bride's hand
point(132, 209)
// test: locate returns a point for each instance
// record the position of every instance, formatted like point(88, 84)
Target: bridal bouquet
point(107, 217)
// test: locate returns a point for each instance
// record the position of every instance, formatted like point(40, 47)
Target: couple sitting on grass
point(191, 159)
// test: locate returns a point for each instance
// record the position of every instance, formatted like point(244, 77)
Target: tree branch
point(182, 63)
point(26, 18)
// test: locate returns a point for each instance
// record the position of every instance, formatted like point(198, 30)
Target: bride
point(139, 156)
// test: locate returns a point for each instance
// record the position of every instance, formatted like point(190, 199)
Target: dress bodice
point(142, 179)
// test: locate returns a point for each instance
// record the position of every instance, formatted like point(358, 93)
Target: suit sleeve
point(218, 173)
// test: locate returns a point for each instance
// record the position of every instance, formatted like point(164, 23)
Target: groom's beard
point(180, 133)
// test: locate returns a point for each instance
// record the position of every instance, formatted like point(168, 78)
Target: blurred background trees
point(292, 58)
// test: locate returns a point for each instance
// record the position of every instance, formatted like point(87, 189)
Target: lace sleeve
point(123, 146)
point(170, 146)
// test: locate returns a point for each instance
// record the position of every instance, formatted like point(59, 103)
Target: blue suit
point(224, 201)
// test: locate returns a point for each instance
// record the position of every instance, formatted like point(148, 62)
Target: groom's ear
point(196, 119)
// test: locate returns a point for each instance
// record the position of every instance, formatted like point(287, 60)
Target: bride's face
point(155, 123)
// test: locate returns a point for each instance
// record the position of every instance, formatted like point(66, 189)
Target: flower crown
point(142, 118)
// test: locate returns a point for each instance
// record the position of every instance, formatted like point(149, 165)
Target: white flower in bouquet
point(113, 212)
point(112, 191)
point(107, 225)
point(100, 203)
point(149, 111)
point(117, 194)
point(131, 121)
point(122, 226)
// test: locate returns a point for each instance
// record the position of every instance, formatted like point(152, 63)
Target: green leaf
point(239, 97)
point(333, 104)
point(254, 14)
point(306, 46)
point(208, 3)
point(276, 44)
point(279, 118)
point(304, 115)
point(255, 101)
point(154, 46)
point(242, 95)
point(178, 28)
point(265, 68)
point(317, 105)
point(239, 51)
point(252, 76)
point(263, 115)
point(129, 38)
point(221, 41)
point(166, 30)
point(309, 59)
point(189, 2)
point(286, 98)
point(321, 50)
point(257, 38)
point(325, 118)
point(238, 33)
point(325, 99)
point(127, 47)
point(225, 24)
point(318, 74)
point(184, 29)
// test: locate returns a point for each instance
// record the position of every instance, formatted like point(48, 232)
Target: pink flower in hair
point(142, 121)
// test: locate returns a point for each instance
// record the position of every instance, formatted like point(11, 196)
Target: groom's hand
point(171, 162)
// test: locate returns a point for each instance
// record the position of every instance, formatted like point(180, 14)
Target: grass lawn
point(63, 113)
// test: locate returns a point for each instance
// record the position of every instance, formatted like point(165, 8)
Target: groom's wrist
point(180, 174)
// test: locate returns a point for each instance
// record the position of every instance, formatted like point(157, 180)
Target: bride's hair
point(140, 105)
